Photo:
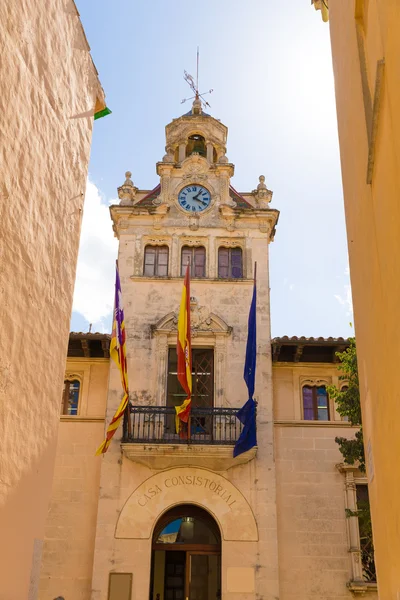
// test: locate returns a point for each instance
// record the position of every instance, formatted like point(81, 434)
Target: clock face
point(194, 198)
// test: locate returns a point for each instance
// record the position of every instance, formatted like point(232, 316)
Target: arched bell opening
point(186, 555)
point(196, 143)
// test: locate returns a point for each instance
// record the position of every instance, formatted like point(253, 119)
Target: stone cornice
point(81, 419)
point(329, 424)
point(197, 280)
point(166, 456)
point(231, 218)
point(361, 588)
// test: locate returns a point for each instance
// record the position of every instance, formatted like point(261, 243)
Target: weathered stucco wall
point(362, 34)
point(71, 521)
point(48, 94)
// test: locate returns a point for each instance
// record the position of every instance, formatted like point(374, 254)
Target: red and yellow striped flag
point(184, 352)
point(118, 354)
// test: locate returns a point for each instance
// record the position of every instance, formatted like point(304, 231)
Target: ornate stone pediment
point(201, 320)
point(195, 167)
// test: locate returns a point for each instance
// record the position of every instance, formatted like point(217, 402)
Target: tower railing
point(157, 425)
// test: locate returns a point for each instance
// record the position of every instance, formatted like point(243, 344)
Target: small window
point(315, 403)
point(70, 399)
point(196, 258)
point(230, 263)
point(156, 261)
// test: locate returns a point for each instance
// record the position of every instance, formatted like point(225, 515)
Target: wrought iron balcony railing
point(156, 425)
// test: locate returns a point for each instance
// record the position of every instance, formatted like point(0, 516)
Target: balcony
point(150, 438)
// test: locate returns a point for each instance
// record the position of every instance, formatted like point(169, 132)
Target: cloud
point(94, 285)
point(345, 299)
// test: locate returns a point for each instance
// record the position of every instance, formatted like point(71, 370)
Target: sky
point(269, 65)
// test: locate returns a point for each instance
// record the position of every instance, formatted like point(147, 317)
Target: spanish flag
point(118, 354)
point(184, 353)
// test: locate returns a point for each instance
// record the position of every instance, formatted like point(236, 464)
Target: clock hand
point(201, 201)
point(196, 197)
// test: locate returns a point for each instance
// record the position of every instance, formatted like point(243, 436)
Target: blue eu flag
point(247, 414)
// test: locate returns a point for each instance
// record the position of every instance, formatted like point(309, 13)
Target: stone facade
point(49, 93)
point(279, 508)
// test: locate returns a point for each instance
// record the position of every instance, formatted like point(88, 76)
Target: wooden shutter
point(199, 262)
point(223, 263)
point(186, 257)
point(162, 261)
point(149, 261)
point(236, 263)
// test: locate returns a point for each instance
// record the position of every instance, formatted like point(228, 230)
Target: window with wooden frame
point(196, 258)
point(70, 397)
point(315, 403)
point(202, 390)
point(156, 261)
point(230, 263)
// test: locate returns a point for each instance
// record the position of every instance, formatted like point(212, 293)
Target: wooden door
point(175, 575)
point(203, 576)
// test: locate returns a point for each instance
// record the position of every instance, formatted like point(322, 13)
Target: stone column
point(220, 367)
point(182, 152)
point(210, 152)
point(352, 522)
point(175, 260)
point(162, 357)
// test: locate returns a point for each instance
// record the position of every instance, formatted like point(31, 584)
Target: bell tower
point(182, 517)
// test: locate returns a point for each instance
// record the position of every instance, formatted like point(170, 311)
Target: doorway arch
point(186, 555)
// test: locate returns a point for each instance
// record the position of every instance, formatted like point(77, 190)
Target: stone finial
point(128, 180)
point(196, 108)
point(223, 159)
point(127, 191)
point(261, 185)
point(262, 194)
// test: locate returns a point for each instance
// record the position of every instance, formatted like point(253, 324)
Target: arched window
point(196, 258)
point(196, 143)
point(70, 398)
point(186, 558)
point(156, 261)
point(230, 263)
point(315, 403)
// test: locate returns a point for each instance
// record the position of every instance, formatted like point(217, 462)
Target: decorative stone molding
point(192, 241)
point(192, 485)
point(315, 381)
point(159, 214)
point(73, 375)
point(262, 194)
point(359, 588)
point(156, 241)
point(194, 222)
point(165, 456)
point(229, 215)
point(127, 191)
point(201, 320)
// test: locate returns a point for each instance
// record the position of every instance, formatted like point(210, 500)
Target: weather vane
point(194, 86)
